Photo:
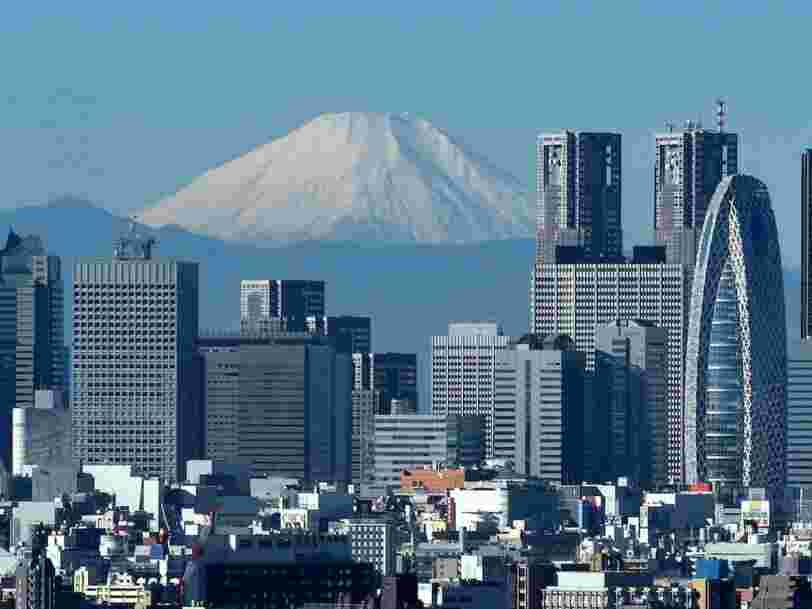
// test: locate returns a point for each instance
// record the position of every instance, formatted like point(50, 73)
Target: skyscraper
point(736, 361)
point(135, 385)
point(799, 412)
point(689, 165)
point(631, 366)
point(32, 350)
point(578, 179)
point(391, 375)
point(462, 372)
point(806, 243)
point(266, 305)
point(350, 333)
point(575, 299)
point(538, 412)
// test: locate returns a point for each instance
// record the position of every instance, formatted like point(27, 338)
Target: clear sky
point(126, 102)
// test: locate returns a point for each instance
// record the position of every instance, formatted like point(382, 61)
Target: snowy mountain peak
point(353, 177)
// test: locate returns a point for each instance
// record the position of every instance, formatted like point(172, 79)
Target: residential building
point(575, 299)
point(631, 366)
point(392, 375)
point(799, 412)
point(135, 387)
point(736, 362)
point(463, 365)
point(265, 303)
point(806, 243)
point(32, 350)
point(371, 541)
point(689, 165)
point(578, 177)
point(282, 403)
point(538, 412)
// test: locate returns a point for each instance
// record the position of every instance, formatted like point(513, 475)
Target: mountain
point(357, 177)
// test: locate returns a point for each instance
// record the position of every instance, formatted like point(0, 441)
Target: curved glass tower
point(736, 359)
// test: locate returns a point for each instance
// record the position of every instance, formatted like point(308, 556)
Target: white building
point(41, 434)
point(462, 372)
point(371, 541)
point(498, 503)
point(575, 299)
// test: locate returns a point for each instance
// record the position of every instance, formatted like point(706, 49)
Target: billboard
point(756, 510)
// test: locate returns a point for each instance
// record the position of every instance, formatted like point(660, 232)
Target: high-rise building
point(799, 412)
point(575, 299)
point(538, 413)
point(282, 403)
point(462, 372)
point(392, 375)
point(32, 350)
point(136, 379)
point(578, 177)
point(689, 165)
point(736, 360)
point(631, 366)
point(41, 434)
point(806, 243)
point(350, 333)
point(364, 407)
point(268, 305)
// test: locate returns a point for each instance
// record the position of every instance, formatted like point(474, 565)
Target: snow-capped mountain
point(353, 177)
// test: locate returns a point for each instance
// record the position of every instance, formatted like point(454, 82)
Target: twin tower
point(729, 425)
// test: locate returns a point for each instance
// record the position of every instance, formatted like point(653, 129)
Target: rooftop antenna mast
point(721, 113)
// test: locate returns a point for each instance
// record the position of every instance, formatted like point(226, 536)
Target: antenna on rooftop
point(721, 113)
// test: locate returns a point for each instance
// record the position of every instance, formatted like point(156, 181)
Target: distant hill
point(354, 176)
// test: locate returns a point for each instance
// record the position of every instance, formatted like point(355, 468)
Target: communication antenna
point(721, 113)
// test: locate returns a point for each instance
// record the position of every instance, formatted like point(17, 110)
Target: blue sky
point(124, 104)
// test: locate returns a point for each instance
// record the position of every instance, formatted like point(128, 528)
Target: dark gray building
point(392, 375)
point(631, 398)
point(350, 333)
point(136, 378)
point(265, 304)
point(578, 177)
point(32, 350)
point(284, 404)
point(689, 165)
point(806, 243)
point(799, 412)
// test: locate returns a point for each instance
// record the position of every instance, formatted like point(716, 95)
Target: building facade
point(350, 333)
point(267, 303)
point(631, 367)
point(736, 363)
point(32, 350)
point(41, 434)
point(575, 299)
point(689, 164)
point(463, 365)
point(799, 413)
point(136, 381)
point(392, 375)
point(806, 243)
point(538, 416)
point(578, 177)
point(364, 407)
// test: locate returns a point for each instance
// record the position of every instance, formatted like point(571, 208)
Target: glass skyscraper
point(736, 363)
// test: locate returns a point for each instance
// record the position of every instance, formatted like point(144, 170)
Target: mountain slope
point(353, 177)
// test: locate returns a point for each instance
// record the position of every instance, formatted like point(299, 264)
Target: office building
point(806, 243)
point(412, 441)
point(271, 305)
point(282, 403)
point(364, 407)
point(736, 362)
point(689, 165)
point(578, 177)
point(371, 541)
point(799, 412)
point(136, 379)
point(32, 349)
point(538, 413)
point(41, 434)
point(631, 366)
point(35, 585)
point(462, 372)
point(392, 375)
point(349, 333)
point(576, 299)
